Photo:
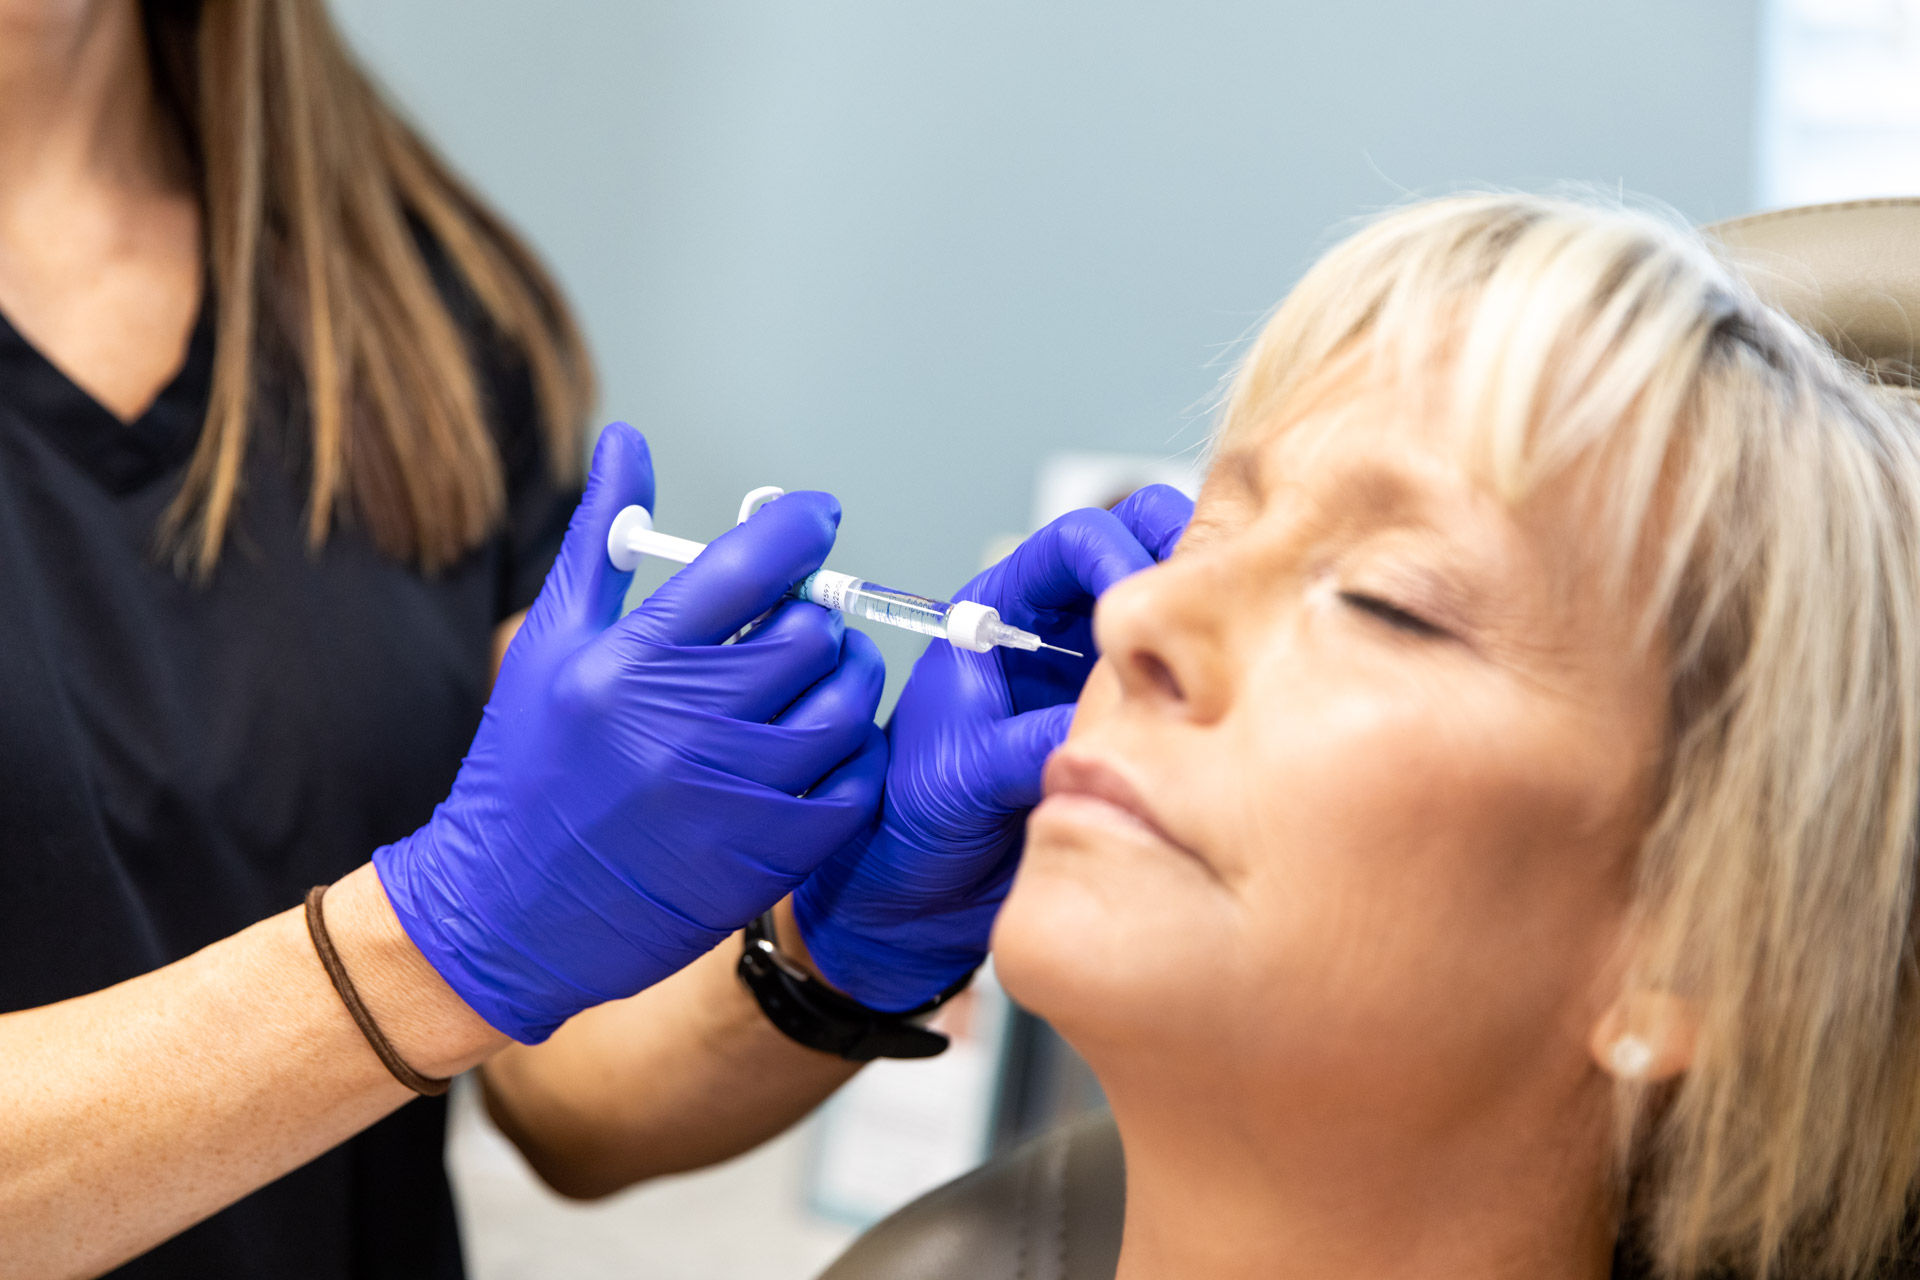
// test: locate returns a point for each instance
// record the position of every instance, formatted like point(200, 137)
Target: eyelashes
point(1391, 614)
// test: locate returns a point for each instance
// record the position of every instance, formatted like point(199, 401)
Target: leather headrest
point(1849, 272)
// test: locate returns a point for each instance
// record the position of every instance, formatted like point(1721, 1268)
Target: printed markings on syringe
point(827, 588)
point(926, 619)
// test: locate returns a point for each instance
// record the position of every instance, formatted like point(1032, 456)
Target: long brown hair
point(313, 188)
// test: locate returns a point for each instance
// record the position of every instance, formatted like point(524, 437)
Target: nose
point(1163, 632)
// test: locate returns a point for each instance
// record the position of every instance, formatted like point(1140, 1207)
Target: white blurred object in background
point(743, 1220)
point(900, 1129)
point(1069, 480)
point(1839, 111)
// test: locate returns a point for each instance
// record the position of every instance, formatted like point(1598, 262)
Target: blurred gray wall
point(901, 250)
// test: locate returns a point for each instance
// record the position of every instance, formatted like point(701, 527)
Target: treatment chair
point(1052, 1209)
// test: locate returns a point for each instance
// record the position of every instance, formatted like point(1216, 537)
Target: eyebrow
point(1239, 469)
point(1351, 496)
point(1355, 496)
point(1387, 493)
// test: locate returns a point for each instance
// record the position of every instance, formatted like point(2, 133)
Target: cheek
point(1396, 870)
point(1430, 867)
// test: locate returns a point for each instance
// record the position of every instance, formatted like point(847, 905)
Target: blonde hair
point(1764, 498)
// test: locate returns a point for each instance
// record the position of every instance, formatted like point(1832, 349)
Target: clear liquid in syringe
point(897, 608)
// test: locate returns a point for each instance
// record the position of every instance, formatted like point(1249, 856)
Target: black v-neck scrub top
point(179, 761)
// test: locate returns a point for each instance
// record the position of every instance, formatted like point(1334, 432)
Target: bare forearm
point(683, 1075)
point(136, 1111)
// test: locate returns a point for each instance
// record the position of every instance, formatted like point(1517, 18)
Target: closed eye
point(1394, 616)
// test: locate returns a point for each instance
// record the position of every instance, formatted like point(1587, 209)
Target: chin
point(1106, 944)
point(1049, 941)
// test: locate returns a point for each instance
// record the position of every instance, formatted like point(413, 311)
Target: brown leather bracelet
point(426, 1086)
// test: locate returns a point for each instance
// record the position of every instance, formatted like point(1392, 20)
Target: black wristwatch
point(813, 1014)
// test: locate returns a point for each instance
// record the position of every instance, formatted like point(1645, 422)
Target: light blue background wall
point(900, 250)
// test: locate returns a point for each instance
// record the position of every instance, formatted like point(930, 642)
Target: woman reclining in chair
point(1491, 835)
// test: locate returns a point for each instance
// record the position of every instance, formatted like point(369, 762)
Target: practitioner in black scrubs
point(210, 701)
point(289, 834)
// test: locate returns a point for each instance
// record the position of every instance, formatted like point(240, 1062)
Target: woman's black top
point(179, 761)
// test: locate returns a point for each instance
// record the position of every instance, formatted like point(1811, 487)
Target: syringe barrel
point(874, 602)
point(966, 625)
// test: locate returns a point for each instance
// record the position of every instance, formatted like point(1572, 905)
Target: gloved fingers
point(1063, 568)
point(895, 979)
point(850, 694)
point(1048, 585)
point(896, 951)
point(1157, 515)
point(583, 587)
point(1043, 679)
point(1015, 753)
point(616, 676)
point(948, 688)
point(847, 799)
point(829, 724)
point(799, 645)
point(782, 838)
point(825, 724)
point(742, 573)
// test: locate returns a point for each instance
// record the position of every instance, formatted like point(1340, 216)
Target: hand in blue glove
point(638, 790)
point(904, 910)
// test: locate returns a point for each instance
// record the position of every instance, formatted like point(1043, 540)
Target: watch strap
point(809, 1012)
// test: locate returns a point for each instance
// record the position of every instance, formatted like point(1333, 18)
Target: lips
point(1073, 775)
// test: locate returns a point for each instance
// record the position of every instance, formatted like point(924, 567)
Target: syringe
point(966, 625)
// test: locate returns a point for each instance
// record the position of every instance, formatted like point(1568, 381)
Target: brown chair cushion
point(1849, 272)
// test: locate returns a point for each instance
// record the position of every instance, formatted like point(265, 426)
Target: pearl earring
point(1630, 1057)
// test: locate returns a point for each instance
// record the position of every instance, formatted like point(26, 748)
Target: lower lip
point(1076, 806)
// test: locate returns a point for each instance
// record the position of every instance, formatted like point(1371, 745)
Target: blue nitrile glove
point(904, 910)
point(629, 799)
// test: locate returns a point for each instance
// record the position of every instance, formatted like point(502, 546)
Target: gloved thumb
point(1016, 751)
point(743, 573)
point(1157, 515)
point(583, 588)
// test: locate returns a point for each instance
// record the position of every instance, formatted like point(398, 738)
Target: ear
point(1645, 1037)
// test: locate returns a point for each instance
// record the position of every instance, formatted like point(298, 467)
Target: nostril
point(1159, 676)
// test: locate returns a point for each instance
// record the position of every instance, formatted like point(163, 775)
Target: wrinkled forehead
point(1345, 442)
point(1396, 419)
